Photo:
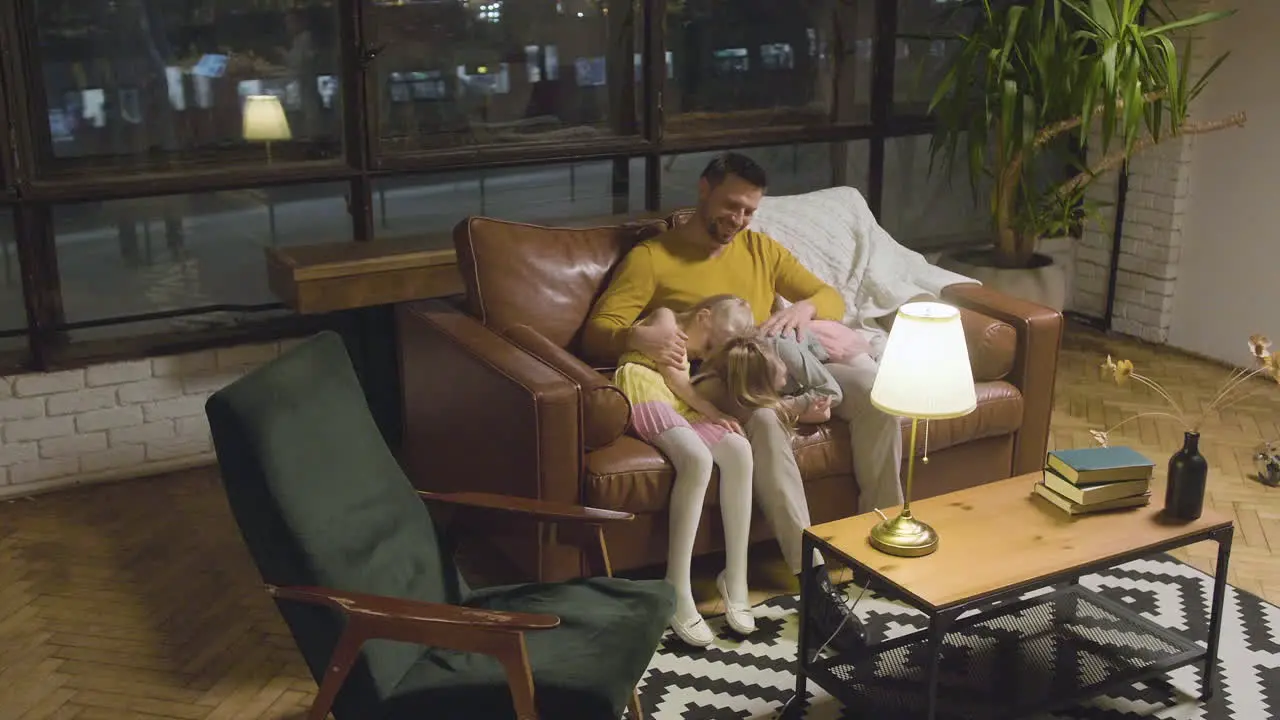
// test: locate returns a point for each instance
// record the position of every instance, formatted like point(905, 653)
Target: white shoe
point(738, 615)
point(693, 631)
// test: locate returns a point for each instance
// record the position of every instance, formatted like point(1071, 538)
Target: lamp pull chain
point(925, 457)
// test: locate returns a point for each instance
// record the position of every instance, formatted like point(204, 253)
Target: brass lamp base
point(903, 536)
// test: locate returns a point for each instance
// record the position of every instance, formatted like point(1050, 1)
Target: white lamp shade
point(924, 372)
point(264, 119)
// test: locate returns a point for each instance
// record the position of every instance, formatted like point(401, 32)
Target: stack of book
point(1094, 479)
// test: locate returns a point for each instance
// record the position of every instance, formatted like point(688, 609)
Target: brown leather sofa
point(496, 398)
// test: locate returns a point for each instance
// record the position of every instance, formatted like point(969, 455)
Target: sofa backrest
point(544, 277)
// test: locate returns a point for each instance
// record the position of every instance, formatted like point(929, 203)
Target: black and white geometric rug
point(754, 678)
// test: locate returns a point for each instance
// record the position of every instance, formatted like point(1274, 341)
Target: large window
point(160, 148)
point(927, 31)
point(457, 74)
point(763, 63)
point(926, 209)
point(431, 205)
point(143, 83)
point(792, 169)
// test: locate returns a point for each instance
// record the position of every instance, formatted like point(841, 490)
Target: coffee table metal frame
point(944, 618)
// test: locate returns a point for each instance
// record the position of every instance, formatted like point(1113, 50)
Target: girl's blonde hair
point(731, 315)
point(747, 369)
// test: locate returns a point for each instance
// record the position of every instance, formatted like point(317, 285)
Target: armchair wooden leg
point(340, 663)
point(637, 712)
point(520, 680)
point(590, 541)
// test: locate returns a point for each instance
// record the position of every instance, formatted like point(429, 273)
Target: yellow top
point(662, 272)
point(639, 379)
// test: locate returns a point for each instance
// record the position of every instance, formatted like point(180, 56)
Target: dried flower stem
point(1245, 396)
point(1232, 386)
point(1241, 378)
point(1161, 391)
point(1227, 384)
point(1232, 390)
point(1128, 420)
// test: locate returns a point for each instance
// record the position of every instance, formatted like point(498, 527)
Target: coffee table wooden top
point(997, 537)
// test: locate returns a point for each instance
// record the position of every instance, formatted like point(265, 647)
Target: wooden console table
point(312, 279)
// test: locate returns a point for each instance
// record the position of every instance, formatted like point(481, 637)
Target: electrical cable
point(850, 606)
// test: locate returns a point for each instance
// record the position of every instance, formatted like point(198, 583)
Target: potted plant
point(1028, 86)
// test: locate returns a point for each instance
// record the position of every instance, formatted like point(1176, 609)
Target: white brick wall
point(114, 421)
point(1151, 240)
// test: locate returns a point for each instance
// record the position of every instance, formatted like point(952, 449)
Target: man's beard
point(717, 236)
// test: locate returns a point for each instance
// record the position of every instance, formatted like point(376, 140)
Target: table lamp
point(264, 120)
point(924, 375)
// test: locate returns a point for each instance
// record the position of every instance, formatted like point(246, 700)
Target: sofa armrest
point(482, 415)
point(1035, 364)
point(606, 412)
point(993, 345)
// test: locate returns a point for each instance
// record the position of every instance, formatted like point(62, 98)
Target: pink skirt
point(652, 418)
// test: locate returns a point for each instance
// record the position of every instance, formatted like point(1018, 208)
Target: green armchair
point(386, 623)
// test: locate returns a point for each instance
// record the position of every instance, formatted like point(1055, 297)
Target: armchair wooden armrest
point(576, 524)
point(413, 612)
point(376, 617)
point(541, 509)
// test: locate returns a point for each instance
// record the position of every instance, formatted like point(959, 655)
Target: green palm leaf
point(1073, 69)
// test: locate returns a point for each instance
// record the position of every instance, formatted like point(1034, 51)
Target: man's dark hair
point(737, 164)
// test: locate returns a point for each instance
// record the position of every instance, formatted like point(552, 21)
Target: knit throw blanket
point(833, 233)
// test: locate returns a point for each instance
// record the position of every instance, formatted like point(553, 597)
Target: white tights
point(693, 462)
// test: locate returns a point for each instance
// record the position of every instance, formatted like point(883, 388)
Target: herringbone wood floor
point(137, 599)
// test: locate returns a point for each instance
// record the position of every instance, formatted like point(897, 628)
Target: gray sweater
point(806, 374)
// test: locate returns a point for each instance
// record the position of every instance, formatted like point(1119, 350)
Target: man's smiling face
point(727, 208)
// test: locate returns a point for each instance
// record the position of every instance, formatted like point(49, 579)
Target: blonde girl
point(695, 436)
point(773, 373)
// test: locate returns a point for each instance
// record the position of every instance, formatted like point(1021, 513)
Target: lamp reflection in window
point(264, 121)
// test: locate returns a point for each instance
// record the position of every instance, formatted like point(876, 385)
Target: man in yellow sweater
point(714, 253)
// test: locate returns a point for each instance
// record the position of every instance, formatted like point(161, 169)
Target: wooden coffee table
point(998, 543)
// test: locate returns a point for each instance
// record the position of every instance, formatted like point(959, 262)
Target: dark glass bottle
point(1188, 473)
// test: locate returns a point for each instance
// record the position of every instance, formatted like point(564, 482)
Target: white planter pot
point(1045, 283)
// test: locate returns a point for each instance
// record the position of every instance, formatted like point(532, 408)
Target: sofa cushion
point(823, 450)
point(633, 476)
point(543, 277)
point(586, 668)
point(629, 473)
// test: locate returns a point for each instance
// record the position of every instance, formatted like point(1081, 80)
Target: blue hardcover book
point(1083, 466)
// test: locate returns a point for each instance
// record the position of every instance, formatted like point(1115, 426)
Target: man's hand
point(790, 321)
point(660, 341)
